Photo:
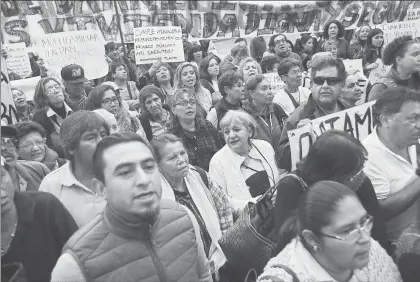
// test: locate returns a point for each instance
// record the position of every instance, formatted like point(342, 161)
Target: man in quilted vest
point(139, 237)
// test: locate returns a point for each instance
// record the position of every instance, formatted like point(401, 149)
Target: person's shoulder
point(220, 155)
point(262, 144)
point(56, 175)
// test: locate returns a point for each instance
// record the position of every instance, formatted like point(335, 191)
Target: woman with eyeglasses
point(105, 97)
point(32, 147)
point(331, 241)
point(200, 138)
point(245, 167)
point(52, 106)
point(334, 156)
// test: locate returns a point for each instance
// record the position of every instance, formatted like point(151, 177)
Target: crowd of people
point(154, 172)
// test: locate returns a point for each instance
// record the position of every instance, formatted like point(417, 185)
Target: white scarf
point(196, 188)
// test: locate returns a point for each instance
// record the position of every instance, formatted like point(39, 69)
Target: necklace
point(5, 249)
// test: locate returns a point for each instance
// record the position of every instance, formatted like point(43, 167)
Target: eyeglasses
point(354, 235)
point(8, 142)
point(184, 103)
point(108, 102)
point(30, 144)
point(330, 80)
point(239, 84)
point(51, 89)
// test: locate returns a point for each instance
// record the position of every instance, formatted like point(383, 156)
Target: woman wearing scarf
point(259, 104)
point(191, 187)
point(32, 147)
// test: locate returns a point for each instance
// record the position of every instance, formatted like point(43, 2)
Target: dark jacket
point(43, 228)
point(145, 122)
point(32, 172)
point(308, 110)
point(222, 107)
point(205, 143)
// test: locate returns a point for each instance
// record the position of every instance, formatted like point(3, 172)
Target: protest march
point(211, 141)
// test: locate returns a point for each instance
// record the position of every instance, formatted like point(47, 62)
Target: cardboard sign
point(17, 59)
point(357, 121)
point(84, 48)
point(394, 30)
point(7, 109)
point(353, 65)
point(158, 42)
point(378, 72)
point(275, 82)
point(27, 86)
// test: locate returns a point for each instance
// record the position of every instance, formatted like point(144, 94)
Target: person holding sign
point(328, 75)
point(403, 53)
point(392, 162)
point(372, 51)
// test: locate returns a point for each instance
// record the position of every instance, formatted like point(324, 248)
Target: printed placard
point(158, 43)
point(17, 60)
point(353, 65)
point(83, 47)
point(357, 121)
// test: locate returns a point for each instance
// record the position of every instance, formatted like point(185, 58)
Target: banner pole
point(119, 27)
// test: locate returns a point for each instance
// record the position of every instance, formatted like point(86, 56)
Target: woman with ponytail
point(332, 241)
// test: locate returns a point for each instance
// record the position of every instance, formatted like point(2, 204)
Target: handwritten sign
point(379, 72)
point(7, 109)
point(158, 42)
point(17, 59)
point(275, 81)
point(84, 48)
point(357, 121)
point(353, 65)
point(394, 30)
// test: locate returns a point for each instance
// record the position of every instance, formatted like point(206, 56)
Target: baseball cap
point(73, 74)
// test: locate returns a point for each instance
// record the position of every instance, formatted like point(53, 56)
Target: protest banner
point(7, 110)
point(357, 121)
point(27, 86)
point(22, 20)
point(378, 72)
point(275, 82)
point(17, 60)
point(394, 30)
point(84, 48)
point(158, 43)
point(413, 14)
point(353, 65)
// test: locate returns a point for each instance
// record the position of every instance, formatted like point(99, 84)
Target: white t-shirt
point(283, 100)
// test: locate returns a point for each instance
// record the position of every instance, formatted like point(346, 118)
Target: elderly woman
point(51, 109)
point(335, 156)
point(127, 89)
point(187, 76)
point(403, 53)
point(245, 167)
point(372, 51)
point(105, 97)
point(209, 72)
point(32, 147)
point(24, 109)
point(249, 67)
point(359, 40)
point(332, 241)
point(259, 104)
point(154, 113)
point(334, 32)
point(199, 136)
point(352, 91)
point(192, 187)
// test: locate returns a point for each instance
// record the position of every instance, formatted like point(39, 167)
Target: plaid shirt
point(201, 146)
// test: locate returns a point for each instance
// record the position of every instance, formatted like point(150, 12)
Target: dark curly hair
point(396, 48)
point(340, 33)
point(268, 62)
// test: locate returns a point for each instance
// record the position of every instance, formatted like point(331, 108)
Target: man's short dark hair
point(26, 127)
point(77, 124)
point(286, 65)
point(268, 62)
point(326, 61)
point(239, 50)
point(109, 141)
point(229, 79)
point(241, 39)
point(392, 99)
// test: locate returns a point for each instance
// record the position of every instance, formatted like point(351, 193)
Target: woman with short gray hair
point(245, 167)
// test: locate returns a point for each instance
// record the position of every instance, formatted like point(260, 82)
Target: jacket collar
point(68, 179)
point(312, 111)
point(249, 106)
point(51, 112)
point(225, 105)
point(237, 159)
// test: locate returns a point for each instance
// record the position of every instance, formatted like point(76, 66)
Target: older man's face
point(9, 150)
point(405, 125)
point(326, 86)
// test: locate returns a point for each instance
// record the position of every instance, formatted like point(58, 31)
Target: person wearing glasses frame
point(332, 241)
point(328, 75)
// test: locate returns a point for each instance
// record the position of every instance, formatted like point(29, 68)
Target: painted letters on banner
point(77, 47)
point(357, 121)
point(23, 20)
point(158, 42)
point(8, 109)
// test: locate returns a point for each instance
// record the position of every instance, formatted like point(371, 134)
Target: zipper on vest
point(156, 261)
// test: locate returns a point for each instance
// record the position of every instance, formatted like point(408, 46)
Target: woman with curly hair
point(403, 54)
point(372, 50)
point(334, 31)
point(249, 67)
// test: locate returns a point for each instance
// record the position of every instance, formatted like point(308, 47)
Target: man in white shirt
point(392, 160)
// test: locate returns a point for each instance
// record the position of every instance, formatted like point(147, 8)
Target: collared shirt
point(82, 203)
point(56, 119)
point(389, 174)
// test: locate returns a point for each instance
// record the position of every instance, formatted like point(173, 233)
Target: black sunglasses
point(330, 80)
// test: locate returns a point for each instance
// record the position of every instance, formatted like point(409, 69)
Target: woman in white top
point(333, 241)
point(293, 94)
point(244, 167)
point(187, 76)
